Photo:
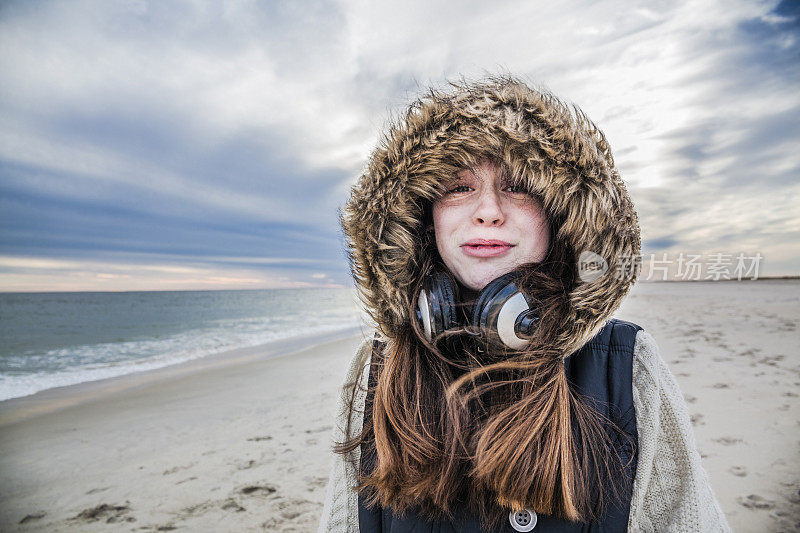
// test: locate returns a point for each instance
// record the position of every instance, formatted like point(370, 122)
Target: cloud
point(202, 129)
point(152, 271)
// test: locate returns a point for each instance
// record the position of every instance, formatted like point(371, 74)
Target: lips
point(486, 247)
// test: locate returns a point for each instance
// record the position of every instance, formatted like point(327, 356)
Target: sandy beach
point(240, 441)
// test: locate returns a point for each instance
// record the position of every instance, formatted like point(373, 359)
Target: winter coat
point(566, 162)
point(601, 371)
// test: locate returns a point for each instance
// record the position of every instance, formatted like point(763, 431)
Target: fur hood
point(556, 152)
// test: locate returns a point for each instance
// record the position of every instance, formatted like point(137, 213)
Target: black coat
point(602, 370)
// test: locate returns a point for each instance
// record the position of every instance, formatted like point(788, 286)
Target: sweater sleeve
point(340, 511)
point(671, 490)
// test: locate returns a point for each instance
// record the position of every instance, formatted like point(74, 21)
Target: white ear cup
point(425, 313)
point(506, 320)
point(502, 311)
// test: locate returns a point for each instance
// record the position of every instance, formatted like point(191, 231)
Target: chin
point(479, 281)
point(477, 275)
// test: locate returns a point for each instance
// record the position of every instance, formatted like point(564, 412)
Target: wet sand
point(241, 446)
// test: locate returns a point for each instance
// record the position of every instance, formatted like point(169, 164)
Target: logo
point(591, 266)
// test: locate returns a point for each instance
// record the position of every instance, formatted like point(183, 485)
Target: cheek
point(437, 216)
point(536, 219)
point(442, 224)
point(543, 231)
point(537, 227)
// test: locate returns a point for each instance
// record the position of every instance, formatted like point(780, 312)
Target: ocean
point(54, 339)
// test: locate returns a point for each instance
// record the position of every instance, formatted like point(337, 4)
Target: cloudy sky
point(191, 145)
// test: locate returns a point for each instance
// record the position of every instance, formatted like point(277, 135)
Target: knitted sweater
point(671, 491)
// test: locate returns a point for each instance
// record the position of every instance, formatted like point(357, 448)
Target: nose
point(488, 211)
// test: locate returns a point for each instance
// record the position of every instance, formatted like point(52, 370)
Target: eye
point(517, 189)
point(456, 186)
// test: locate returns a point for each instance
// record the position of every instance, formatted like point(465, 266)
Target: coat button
point(524, 520)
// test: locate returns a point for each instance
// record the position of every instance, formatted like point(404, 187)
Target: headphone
point(502, 311)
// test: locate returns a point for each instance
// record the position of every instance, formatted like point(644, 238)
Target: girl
point(491, 240)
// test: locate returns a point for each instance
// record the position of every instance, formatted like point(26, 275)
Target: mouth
point(486, 247)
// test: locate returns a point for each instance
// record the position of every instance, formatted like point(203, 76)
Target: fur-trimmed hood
point(557, 152)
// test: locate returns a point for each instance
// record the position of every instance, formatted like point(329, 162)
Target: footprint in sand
point(728, 441)
point(319, 429)
point(259, 439)
point(292, 515)
point(754, 501)
point(258, 490)
point(175, 469)
point(194, 510)
point(32, 517)
point(228, 504)
point(242, 465)
point(738, 471)
point(231, 505)
point(697, 420)
point(315, 482)
point(689, 398)
point(720, 386)
point(771, 360)
point(785, 520)
point(169, 526)
point(104, 511)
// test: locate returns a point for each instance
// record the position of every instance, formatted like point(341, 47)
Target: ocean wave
point(81, 364)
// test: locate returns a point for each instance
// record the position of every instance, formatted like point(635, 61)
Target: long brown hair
point(495, 430)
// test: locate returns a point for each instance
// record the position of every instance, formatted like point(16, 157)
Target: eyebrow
point(504, 173)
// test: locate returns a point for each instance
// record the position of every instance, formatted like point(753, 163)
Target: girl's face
point(486, 227)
